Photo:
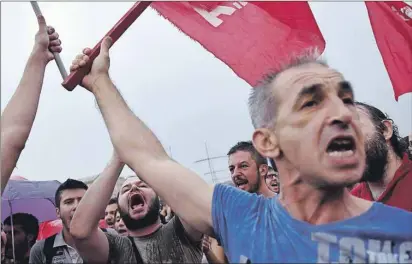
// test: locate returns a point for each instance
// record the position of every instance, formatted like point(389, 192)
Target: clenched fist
point(47, 41)
point(206, 243)
point(100, 66)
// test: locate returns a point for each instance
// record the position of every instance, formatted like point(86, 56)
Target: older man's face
point(317, 129)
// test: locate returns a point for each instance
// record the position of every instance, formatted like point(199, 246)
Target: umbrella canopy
point(33, 197)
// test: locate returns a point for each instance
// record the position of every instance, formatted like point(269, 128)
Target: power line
point(209, 160)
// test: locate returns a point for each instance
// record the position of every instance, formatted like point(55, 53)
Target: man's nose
point(235, 172)
point(339, 114)
point(75, 204)
point(134, 187)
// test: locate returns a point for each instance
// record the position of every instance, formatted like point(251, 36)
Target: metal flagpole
point(57, 58)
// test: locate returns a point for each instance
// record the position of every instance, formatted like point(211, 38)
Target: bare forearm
point(21, 110)
point(94, 202)
point(213, 259)
point(128, 133)
point(142, 151)
point(216, 253)
point(18, 116)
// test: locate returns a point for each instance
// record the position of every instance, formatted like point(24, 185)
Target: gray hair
point(262, 102)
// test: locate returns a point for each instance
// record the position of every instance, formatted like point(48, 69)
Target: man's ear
point(58, 212)
point(263, 169)
point(388, 132)
point(266, 143)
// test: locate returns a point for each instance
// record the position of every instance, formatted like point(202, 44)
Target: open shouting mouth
point(341, 150)
point(343, 146)
point(240, 183)
point(136, 201)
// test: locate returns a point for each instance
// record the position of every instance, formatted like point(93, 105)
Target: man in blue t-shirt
point(306, 121)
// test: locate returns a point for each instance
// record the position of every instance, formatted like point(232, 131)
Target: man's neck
point(315, 206)
point(377, 188)
point(68, 239)
point(148, 230)
point(265, 191)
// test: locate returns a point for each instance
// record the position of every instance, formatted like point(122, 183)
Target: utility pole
point(209, 159)
point(170, 152)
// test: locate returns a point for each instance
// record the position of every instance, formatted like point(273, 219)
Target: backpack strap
point(48, 250)
point(136, 251)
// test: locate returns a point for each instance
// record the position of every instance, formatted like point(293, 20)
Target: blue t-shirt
point(258, 229)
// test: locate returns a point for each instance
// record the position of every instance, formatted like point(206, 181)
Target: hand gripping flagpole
point(115, 33)
point(57, 58)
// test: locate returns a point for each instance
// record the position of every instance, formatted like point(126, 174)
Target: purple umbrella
point(32, 197)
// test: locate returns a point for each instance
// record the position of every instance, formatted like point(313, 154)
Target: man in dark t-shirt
point(138, 205)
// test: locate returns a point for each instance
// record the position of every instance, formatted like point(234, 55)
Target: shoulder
point(111, 231)
point(174, 226)
point(38, 246)
point(396, 214)
point(225, 196)
point(223, 189)
point(120, 249)
point(394, 219)
point(117, 240)
point(183, 231)
point(36, 252)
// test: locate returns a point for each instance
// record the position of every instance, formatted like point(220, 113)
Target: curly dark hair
point(377, 116)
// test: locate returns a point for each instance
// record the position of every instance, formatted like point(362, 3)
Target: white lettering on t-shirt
point(405, 252)
point(356, 250)
point(351, 250)
point(244, 260)
point(323, 240)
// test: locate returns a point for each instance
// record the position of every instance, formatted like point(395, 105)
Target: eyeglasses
point(272, 176)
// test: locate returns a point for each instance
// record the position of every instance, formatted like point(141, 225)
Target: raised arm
point(90, 240)
point(139, 148)
point(18, 116)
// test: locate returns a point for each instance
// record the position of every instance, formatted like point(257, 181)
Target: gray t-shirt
point(169, 244)
point(120, 249)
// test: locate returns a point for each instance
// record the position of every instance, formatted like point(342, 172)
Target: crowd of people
point(323, 179)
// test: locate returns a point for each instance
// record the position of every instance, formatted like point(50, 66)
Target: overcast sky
point(182, 92)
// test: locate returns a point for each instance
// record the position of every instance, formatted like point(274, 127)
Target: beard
point(150, 218)
point(65, 223)
point(254, 188)
point(376, 158)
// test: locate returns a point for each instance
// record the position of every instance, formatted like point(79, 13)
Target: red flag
point(251, 38)
point(392, 26)
point(50, 228)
